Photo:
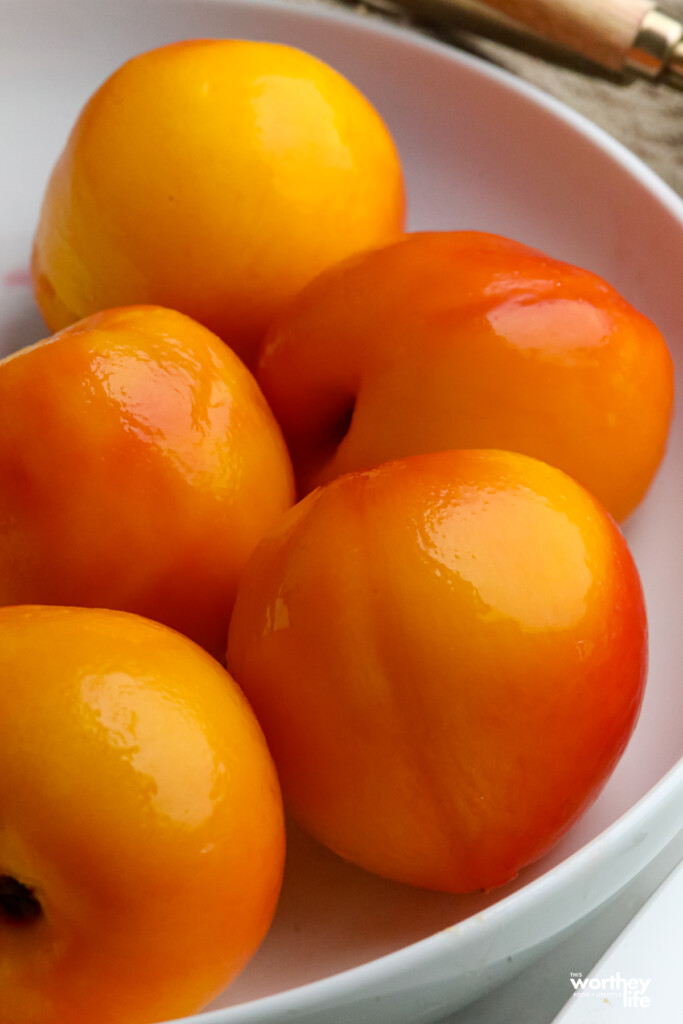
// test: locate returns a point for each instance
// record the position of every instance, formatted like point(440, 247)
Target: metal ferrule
point(657, 48)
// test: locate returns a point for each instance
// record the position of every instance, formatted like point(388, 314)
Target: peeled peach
point(217, 177)
point(140, 465)
point(141, 826)
point(447, 654)
point(468, 340)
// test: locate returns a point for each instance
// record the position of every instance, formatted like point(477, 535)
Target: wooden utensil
point(623, 35)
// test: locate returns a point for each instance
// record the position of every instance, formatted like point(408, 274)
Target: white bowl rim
point(554, 882)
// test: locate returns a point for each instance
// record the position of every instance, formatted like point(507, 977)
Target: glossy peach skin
point(447, 655)
point(468, 340)
point(217, 177)
point(139, 466)
point(141, 814)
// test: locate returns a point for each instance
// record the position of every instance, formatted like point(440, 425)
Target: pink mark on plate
point(17, 278)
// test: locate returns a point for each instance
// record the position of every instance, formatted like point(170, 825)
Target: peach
point(141, 825)
point(140, 465)
point(214, 176)
point(447, 655)
point(467, 340)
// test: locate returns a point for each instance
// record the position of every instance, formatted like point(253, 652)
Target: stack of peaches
point(296, 510)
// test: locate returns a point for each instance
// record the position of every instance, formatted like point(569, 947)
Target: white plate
point(480, 151)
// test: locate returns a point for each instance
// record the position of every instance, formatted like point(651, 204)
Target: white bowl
point(480, 150)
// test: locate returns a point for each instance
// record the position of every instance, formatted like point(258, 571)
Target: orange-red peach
point(140, 465)
point(447, 654)
point(468, 340)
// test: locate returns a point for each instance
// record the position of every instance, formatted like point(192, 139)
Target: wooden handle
point(602, 30)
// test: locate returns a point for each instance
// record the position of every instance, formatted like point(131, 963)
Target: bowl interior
point(479, 152)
